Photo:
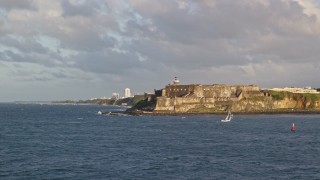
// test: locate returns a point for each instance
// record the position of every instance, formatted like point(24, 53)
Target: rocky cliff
point(248, 102)
point(289, 100)
point(274, 101)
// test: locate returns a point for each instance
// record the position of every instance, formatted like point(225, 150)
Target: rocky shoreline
point(153, 113)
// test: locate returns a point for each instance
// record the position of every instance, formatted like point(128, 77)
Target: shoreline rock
point(269, 112)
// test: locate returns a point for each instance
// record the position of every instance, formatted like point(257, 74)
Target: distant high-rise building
point(127, 92)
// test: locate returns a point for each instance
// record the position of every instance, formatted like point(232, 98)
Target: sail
point(228, 118)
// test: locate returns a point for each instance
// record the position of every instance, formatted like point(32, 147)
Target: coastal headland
point(176, 99)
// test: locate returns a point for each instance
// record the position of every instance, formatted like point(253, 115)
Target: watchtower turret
point(176, 81)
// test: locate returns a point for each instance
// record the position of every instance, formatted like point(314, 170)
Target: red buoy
point(293, 129)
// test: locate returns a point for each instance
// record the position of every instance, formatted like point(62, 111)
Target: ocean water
point(74, 142)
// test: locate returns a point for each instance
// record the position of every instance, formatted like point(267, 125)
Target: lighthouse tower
point(176, 81)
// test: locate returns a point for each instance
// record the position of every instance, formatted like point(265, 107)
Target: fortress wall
point(248, 88)
point(182, 104)
point(208, 91)
point(198, 91)
point(197, 100)
point(187, 107)
point(185, 104)
point(217, 98)
point(187, 100)
point(248, 94)
point(164, 104)
point(216, 91)
point(164, 92)
point(178, 90)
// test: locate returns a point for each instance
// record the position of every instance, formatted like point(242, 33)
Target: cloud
point(142, 44)
point(83, 8)
point(17, 4)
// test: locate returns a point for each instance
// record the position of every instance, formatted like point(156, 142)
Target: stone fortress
point(178, 98)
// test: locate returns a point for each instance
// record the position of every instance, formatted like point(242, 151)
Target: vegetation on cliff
point(144, 105)
point(312, 97)
point(295, 96)
point(301, 100)
point(276, 95)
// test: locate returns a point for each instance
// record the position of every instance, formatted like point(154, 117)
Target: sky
point(79, 49)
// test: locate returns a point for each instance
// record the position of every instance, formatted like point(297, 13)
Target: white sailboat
point(228, 118)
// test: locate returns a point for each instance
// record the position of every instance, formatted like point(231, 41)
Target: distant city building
point(297, 90)
point(115, 96)
point(127, 92)
point(95, 98)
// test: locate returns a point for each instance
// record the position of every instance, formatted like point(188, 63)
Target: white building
point(115, 96)
point(297, 90)
point(127, 92)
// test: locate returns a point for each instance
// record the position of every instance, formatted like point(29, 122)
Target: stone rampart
point(182, 104)
point(207, 91)
point(182, 98)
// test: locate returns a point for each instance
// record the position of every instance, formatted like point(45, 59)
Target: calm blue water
point(74, 142)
